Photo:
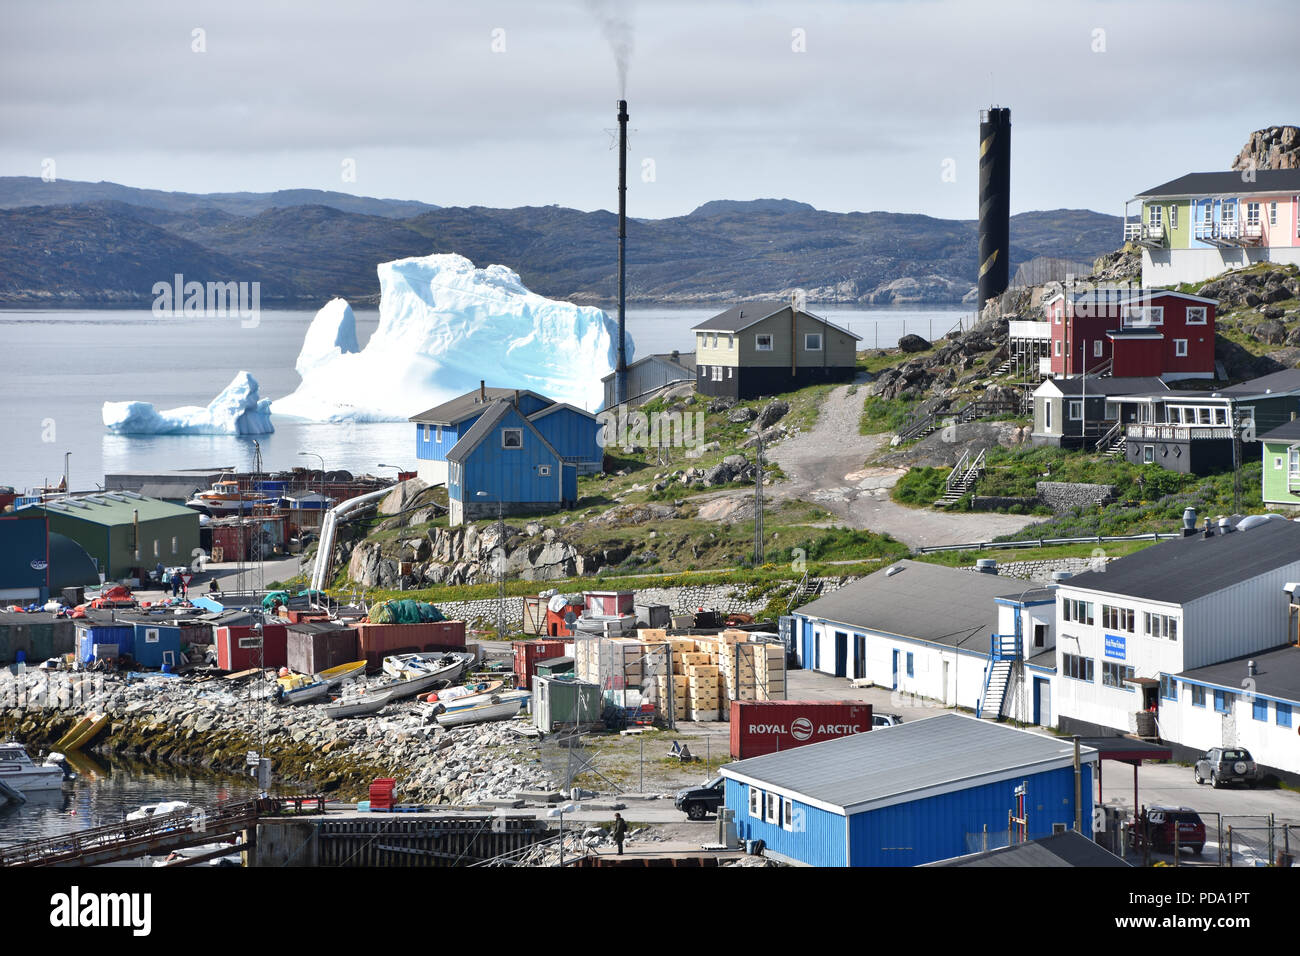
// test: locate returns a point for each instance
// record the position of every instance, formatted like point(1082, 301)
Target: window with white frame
point(1115, 675)
point(1162, 626)
point(1180, 351)
point(1272, 213)
point(1207, 213)
point(175, 545)
point(812, 342)
point(717, 373)
point(1079, 668)
point(1148, 454)
point(1076, 410)
point(1293, 461)
point(426, 432)
point(512, 438)
point(1252, 214)
point(437, 433)
point(544, 471)
point(1097, 347)
point(773, 808)
point(1173, 217)
point(1155, 216)
point(787, 813)
point(1058, 348)
point(1118, 618)
point(1220, 415)
point(729, 371)
point(1056, 313)
point(1228, 213)
point(1196, 315)
point(1081, 612)
point(714, 343)
point(755, 802)
point(731, 342)
point(1277, 462)
point(763, 343)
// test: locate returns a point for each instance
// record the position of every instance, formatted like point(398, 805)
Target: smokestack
point(482, 392)
point(620, 372)
point(995, 202)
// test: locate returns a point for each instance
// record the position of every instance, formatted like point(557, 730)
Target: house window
point(812, 342)
point(1283, 715)
point(544, 471)
point(1160, 625)
point(1076, 410)
point(1173, 217)
point(787, 813)
point(1168, 687)
point(437, 434)
point(730, 341)
point(155, 548)
point(1056, 314)
point(1058, 348)
point(512, 438)
point(1293, 462)
point(1223, 701)
point(1148, 454)
point(1040, 635)
point(717, 373)
point(1259, 709)
point(175, 546)
point(773, 808)
point(1047, 416)
point(1277, 462)
point(1115, 675)
point(1078, 611)
point(1155, 215)
point(1196, 314)
point(1097, 347)
point(1198, 695)
point(1180, 349)
point(1252, 214)
point(1228, 214)
point(1117, 618)
point(1220, 416)
point(729, 371)
point(1078, 668)
point(704, 371)
point(763, 343)
point(755, 802)
point(1272, 213)
point(426, 432)
point(910, 672)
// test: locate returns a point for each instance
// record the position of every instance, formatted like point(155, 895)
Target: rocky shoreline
point(205, 726)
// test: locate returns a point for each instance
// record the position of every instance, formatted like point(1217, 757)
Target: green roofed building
point(122, 530)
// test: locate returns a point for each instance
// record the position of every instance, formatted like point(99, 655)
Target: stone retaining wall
point(1064, 495)
point(1041, 571)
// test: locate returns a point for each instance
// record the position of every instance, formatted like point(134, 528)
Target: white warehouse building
point(955, 637)
point(1136, 640)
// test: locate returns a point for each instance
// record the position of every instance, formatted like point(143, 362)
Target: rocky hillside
point(1276, 147)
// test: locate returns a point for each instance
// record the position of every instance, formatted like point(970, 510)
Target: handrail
point(1044, 542)
point(957, 469)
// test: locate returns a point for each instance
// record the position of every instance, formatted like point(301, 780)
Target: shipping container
point(766, 726)
point(312, 648)
point(611, 603)
point(553, 666)
point(377, 641)
point(123, 635)
point(560, 702)
point(528, 653)
point(157, 644)
point(558, 623)
point(652, 615)
point(240, 647)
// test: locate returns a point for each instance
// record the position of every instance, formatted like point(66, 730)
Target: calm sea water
point(105, 793)
point(59, 367)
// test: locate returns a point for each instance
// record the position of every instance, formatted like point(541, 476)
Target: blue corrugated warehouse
point(909, 794)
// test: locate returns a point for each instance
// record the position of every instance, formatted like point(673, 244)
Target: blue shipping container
point(157, 644)
point(123, 635)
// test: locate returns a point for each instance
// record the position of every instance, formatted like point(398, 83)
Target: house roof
point(1105, 385)
point(1058, 850)
point(1288, 432)
point(684, 360)
point(1123, 295)
point(907, 762)
point(542, 413)
point(1277, 673)
point(112, 508)
point(469, 405)
point(1287, 380)
point(171, 490)
point(908, 604)
point(1230, 183)
point(486, 425)
point(740, 317)
point(1184, 569)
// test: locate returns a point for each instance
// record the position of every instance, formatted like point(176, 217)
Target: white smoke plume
point(615, 19)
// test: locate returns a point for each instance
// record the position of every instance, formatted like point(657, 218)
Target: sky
point(845, 105)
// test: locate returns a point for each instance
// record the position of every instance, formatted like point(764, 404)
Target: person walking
point(620, 831)
point(176, 583)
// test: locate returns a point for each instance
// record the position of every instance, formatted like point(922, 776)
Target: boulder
point(772, 413)
point(402, 496)
point(913, 343)
point(742, 415)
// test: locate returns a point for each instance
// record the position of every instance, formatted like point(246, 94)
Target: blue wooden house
point(503, 463)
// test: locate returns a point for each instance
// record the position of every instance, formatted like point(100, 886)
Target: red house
point(1132, 333)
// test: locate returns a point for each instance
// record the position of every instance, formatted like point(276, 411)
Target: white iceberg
point(444, 325)
point(238, 410)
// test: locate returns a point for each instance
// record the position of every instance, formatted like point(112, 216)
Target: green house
point(122, 530)
point(1282, 464)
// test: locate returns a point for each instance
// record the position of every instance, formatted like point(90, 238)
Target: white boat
point(449, 665)
point(19, 771)
point(358, 706)
point(477, 700)
point(157, 809)
point(305, 693)
point(491, 710)
point(225, 498)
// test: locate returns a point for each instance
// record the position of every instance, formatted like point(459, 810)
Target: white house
point(1125, 634)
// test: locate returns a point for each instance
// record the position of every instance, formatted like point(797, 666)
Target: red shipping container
point(237, 648)
point(377, 641)
point(555, 626)
point(312, 648)
point(528, 653)
point(766, 726)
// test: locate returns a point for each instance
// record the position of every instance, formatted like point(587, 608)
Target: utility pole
point(758, 503)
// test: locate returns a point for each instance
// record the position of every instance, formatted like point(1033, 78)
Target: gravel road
point(826, 465)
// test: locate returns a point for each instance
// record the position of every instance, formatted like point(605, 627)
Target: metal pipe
point(620, 372)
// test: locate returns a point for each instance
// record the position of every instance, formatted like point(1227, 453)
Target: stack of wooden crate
point(702, 691)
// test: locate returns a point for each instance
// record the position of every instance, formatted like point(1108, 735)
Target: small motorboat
point(362, 706)
point(150, 810)
point(449, 666)
point(297, 689)
point(21, 773)
point(464, 703)
point(495, 708)
point(462, 691)
point(334, 676)
point(225, 498)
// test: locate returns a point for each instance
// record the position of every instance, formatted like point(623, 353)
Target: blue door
point(841, 654)
point(894, 685)
point(1042, 702)
point(807, 644)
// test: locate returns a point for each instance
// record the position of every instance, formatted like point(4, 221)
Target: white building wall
point(1203, 727)
point(1162, 267)
point(1242, 619)
point(432, 472)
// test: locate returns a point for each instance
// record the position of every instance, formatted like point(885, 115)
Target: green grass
point(885, 414)
point(921, 486)
point(960, 559)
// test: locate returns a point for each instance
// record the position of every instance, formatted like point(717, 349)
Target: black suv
point(699, 802)
point(1222, 765)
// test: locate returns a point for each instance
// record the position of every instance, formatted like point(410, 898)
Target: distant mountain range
point(102, 244)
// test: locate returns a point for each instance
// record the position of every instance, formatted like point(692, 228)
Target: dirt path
point(826, 465)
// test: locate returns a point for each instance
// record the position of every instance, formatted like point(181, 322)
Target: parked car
point(885, 720)
point(1162, 822)
point(1222, 765)
point(699, 802)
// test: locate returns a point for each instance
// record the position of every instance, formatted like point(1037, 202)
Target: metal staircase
point(963, 476)
point(1004, 655)
point(805, 588)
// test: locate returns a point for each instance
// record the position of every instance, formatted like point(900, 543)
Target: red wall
point(1134, 357)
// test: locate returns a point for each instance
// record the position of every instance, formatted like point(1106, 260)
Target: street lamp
point(560, 811)
point(312, 454)
point(66, 486)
